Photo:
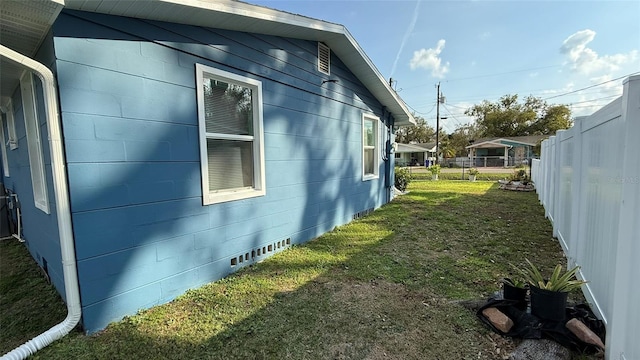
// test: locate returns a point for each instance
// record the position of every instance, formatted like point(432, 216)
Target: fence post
point(621, 343)
point(557, 157)
point(576, 194)
point(544, 164)
point(558, 214)
point(550, 180)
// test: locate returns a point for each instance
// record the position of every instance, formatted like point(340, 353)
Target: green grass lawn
point(458, 176)
point(385, 286)
point(28, 305)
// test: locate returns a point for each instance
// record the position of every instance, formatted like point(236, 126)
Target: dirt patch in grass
point(392, 322)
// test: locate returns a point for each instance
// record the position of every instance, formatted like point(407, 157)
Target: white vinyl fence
point(588, 180)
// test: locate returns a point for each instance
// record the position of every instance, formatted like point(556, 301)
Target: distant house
point(155, 146)
point(415, 154)
point(507, 151)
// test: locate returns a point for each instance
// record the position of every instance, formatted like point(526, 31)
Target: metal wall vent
point(324, 59)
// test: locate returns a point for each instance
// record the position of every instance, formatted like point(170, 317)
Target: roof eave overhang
point(239, 16)
point(225, 14)
point(496, 143)
point(486, 144)
point(23, 26)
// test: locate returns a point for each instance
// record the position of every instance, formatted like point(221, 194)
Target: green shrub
point(520, 175)
point(434, 169)
point(402, 178)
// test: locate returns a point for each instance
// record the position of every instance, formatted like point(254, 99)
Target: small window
point(231, 136)
point(34, 145)
point(324, 59)
point(370, 147)
point(5, 161)
point(11, 126)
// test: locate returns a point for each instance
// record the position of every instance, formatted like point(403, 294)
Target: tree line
point(507, 117)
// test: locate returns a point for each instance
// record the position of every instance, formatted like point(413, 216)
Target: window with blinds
point(370, 147)
point(231, 146)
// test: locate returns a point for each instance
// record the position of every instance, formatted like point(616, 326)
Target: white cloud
point(429, 59)
point(484, 36)
point(586, 60)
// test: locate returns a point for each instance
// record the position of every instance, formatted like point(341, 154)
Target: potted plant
point(549, 295)
point(473, 172)
point(435, 170)
point(515, 290)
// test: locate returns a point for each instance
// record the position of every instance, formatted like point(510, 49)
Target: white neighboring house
point(415, 154)
point(503, 152)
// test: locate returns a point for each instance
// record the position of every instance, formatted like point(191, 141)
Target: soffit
point(23, 26)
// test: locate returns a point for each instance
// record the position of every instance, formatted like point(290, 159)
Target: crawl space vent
point(362, 213)
point(259, 253)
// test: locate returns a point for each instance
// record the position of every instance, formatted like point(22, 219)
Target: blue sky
point(485, 49)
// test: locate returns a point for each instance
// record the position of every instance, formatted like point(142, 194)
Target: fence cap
point(631, 78)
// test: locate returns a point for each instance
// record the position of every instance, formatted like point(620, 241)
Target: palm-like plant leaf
point(559, 281)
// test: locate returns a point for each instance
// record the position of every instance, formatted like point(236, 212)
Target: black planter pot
point(548, 305)
point(516, 294)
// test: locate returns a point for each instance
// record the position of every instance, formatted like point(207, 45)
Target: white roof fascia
point(239, 16)
point(413, 148)
point(495, 142)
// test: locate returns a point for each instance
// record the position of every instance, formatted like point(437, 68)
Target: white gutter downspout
point(63, 210)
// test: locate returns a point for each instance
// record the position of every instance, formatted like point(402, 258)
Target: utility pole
point(437, 121)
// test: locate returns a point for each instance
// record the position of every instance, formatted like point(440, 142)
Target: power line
point(587, 106)
point(592, 100)
point(591, 86)
point(491, 75)
point(534, 92)
point(419, 112)
point(456, 114)
point(459, 107)
point(451, 115)
point(504, 73)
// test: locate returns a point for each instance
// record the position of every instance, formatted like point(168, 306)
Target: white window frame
point(7, 108)
point(259, 187)
point(34, 143)
point(324, 47)
point(375, 147)
point(5, 160)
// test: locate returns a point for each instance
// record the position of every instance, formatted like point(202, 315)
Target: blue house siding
point(128, 103)
point(40, 230)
